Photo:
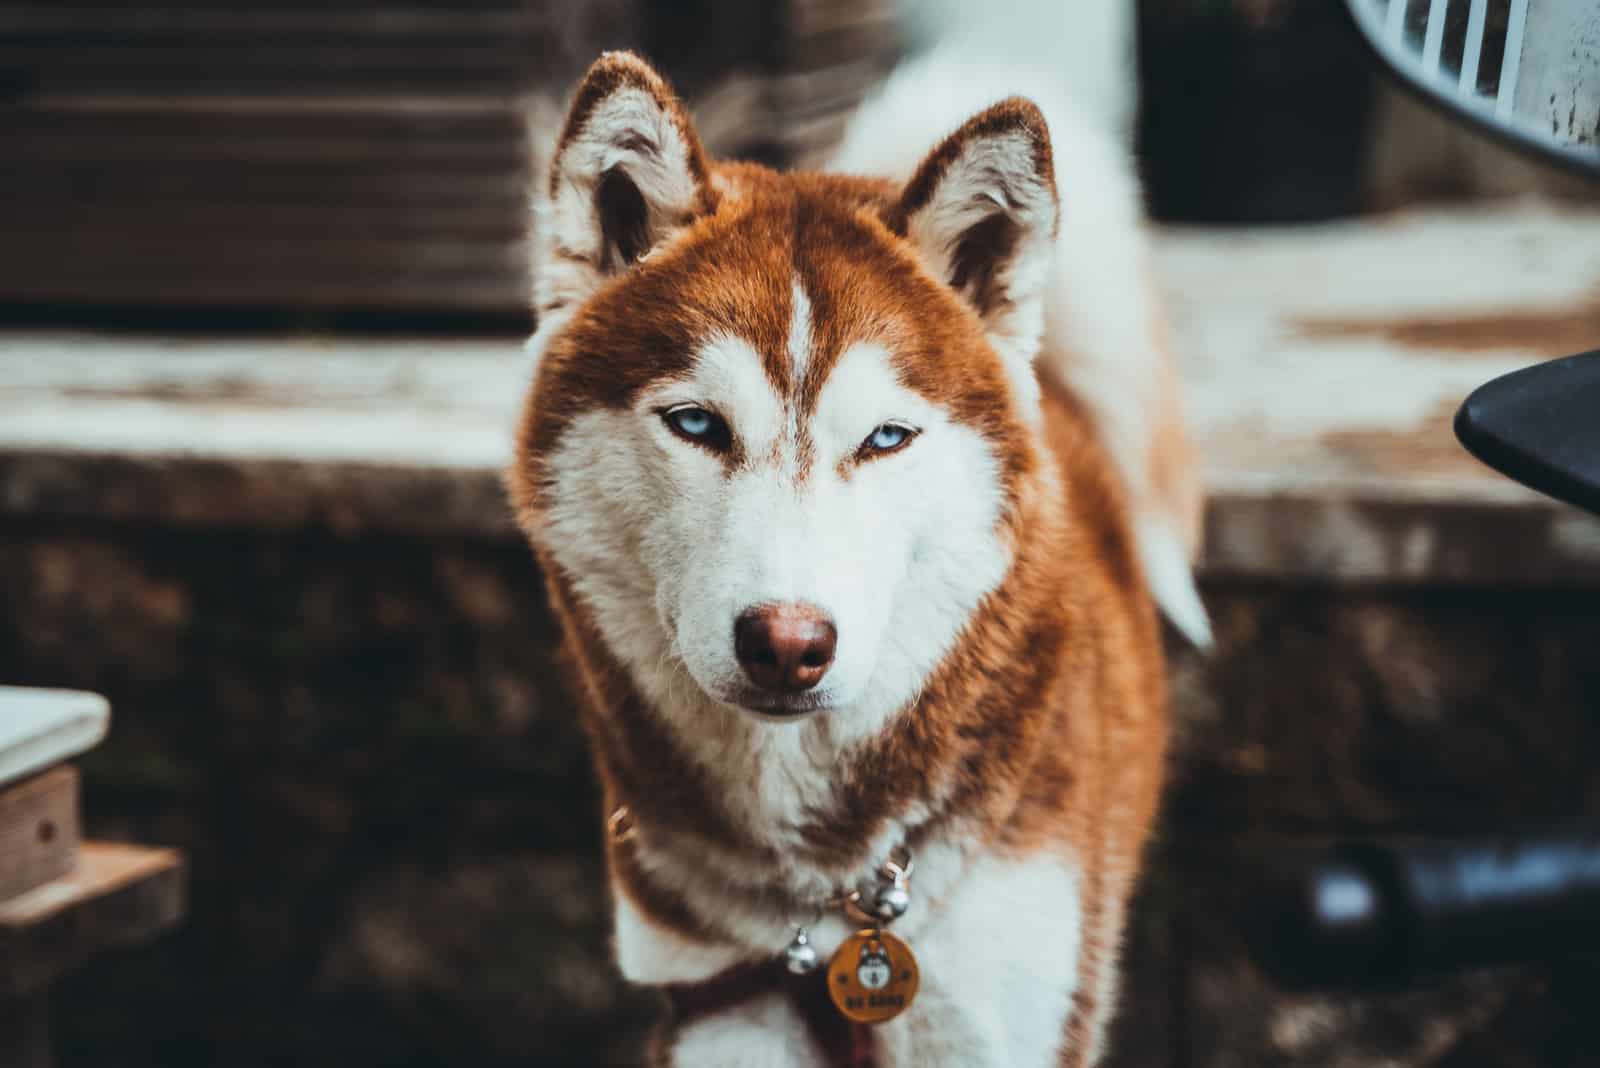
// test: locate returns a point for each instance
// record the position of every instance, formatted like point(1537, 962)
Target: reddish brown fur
point(1045, 728)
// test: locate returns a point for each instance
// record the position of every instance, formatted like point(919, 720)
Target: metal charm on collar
point(873, 976)
point(801, 956)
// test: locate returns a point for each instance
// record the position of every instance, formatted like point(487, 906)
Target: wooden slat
point(261, 185)
point(264, 48)
point(117, 894)
point(375, 121)
point(39, 830)
point(487, 293)
point(330, 153)
point(326, 257)
point(111, 221)
point(270, 155)
point(391, 21)
point(311, 8)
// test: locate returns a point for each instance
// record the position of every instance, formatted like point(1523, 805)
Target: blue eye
point(887, 438)
point(695, 422)
point(698, 426)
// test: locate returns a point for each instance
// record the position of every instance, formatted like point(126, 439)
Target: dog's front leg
point(765, 1032)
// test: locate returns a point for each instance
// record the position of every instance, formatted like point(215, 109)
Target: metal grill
point(1515, 60)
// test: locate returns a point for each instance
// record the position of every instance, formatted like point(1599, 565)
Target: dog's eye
point(695, 424)
point(887, 438)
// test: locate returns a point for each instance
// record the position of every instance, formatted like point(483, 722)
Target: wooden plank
point(399, 20)
point(260, 151)
point(308, 7)
point(258, 185)
point(39, 830)
point(100, 60)
point(39, 728)
point(491, 294)
point(307, 119)
point(210, 223)
point(290, 72)
point(117, 895)
point(87, 255)
point(278, 156)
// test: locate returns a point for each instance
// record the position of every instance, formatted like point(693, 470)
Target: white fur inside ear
point(630, 131)
point(995, 184)
point(992, 175)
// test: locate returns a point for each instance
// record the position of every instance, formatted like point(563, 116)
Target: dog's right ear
point(627, 173)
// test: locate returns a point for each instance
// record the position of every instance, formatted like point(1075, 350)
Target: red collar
point(844, 1043)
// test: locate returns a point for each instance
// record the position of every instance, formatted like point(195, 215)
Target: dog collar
point(844, 1042)
point(872, 976)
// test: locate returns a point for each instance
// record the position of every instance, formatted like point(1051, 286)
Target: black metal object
point(1376, 915)
point(1541, 426)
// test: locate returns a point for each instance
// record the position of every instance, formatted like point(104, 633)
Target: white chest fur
point(999, 962)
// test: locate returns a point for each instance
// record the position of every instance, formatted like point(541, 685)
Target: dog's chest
point(778, 782)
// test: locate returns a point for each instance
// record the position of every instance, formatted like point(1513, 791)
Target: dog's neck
point(776, 808)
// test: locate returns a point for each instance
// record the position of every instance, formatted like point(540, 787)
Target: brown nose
point(784, 647)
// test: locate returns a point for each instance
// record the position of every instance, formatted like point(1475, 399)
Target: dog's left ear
point(628, 171)
point(981, 210)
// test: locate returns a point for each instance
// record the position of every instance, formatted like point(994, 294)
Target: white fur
point(999, 969)
point(1088, 45)
point(649, 953)
point(667, 549)
point(1166, 569)
point(628, 130)
point(992, 175)
point(1099, 313)
point(665, 546)
point(764, 1032)
point(799, 331)
point(998, 959)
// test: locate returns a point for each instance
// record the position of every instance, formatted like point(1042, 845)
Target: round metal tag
point(873, 976)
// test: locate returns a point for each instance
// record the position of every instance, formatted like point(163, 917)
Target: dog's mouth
point(781, 707)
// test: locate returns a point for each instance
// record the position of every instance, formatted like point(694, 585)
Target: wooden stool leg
point(25, 1031)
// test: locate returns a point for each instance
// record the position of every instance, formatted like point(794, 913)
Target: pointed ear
point(981, 211)
point(627, 172)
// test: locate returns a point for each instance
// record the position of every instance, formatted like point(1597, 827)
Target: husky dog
point(855, 494)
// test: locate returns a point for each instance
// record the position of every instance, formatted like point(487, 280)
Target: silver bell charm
point(892, 900)
point(801, 956)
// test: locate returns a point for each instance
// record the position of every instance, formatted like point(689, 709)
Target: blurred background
point(264, 282)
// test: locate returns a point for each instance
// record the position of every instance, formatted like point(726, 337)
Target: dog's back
point(1105, 335)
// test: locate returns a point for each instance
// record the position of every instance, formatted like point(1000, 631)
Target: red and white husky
point(851, 492)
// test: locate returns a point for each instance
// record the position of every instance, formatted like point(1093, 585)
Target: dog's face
point(778, 421)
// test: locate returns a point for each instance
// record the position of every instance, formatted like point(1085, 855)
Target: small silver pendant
point(801, 956)
point(891, 901)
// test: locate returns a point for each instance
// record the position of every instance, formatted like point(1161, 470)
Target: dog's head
point(778, 422)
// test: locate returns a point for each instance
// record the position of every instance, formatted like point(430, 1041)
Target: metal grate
point(1529, 64)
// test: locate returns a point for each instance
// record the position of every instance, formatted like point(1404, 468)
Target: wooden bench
point(62, 900)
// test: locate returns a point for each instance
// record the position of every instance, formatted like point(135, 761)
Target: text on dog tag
point(873, 976)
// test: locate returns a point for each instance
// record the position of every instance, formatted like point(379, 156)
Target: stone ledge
point(1322, 365)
